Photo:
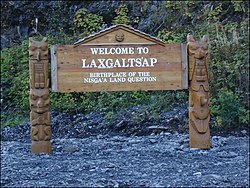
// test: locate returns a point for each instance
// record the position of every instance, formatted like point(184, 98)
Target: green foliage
point(227, 25)
point(14, 76)
point(169, 36)
point(58, 23)
point(239, 6)
point(229, 67)
point(227, 110)
point(121, 15)
point(10, 120)
point(179, 10)
point(86, 22)
point(229, 63)
point(214, 13)
point(14, 84)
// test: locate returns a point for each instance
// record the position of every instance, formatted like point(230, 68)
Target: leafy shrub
point(86, 22)
point(227, 110)
point(14, 84)
point(14, 76)
point(170, 37)
point(121, 15)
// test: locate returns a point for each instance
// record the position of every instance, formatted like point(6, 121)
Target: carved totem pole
point(39, 96)
point(199, 113)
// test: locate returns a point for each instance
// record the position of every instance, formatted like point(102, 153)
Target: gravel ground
point(162, 160)
point(127, 152)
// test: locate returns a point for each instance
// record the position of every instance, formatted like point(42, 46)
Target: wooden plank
point(54, 81)
point(158, 69)
point(184, 66)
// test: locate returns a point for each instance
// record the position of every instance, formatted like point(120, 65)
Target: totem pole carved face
point(38, 50)
point(198, 49)
point(39, 100)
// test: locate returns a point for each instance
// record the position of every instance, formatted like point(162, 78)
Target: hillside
point(225, 22)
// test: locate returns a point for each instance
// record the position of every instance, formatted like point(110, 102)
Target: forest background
point(64, 22)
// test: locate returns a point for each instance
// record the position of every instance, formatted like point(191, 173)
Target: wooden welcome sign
point(119, 58)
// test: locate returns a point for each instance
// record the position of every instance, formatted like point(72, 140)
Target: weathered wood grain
point(68, 74)
point(184, 66)
point(53, 67)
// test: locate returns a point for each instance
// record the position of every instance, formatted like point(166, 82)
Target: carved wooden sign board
point(119, 58)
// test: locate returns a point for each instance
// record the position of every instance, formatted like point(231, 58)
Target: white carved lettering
point(94, 50)
point(142, 50)
point(109, 65)
point(121, 63)
point(117, 63)
point(138, 62)
point(145, 63)
point(101, 61)
point(112, 51)
point(92, 64)
point(153, 61)
point(119, 77)
point(101, 51)
point(84, 64)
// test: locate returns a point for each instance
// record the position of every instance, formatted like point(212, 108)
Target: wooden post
point(199, 113)
point(39, 96)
